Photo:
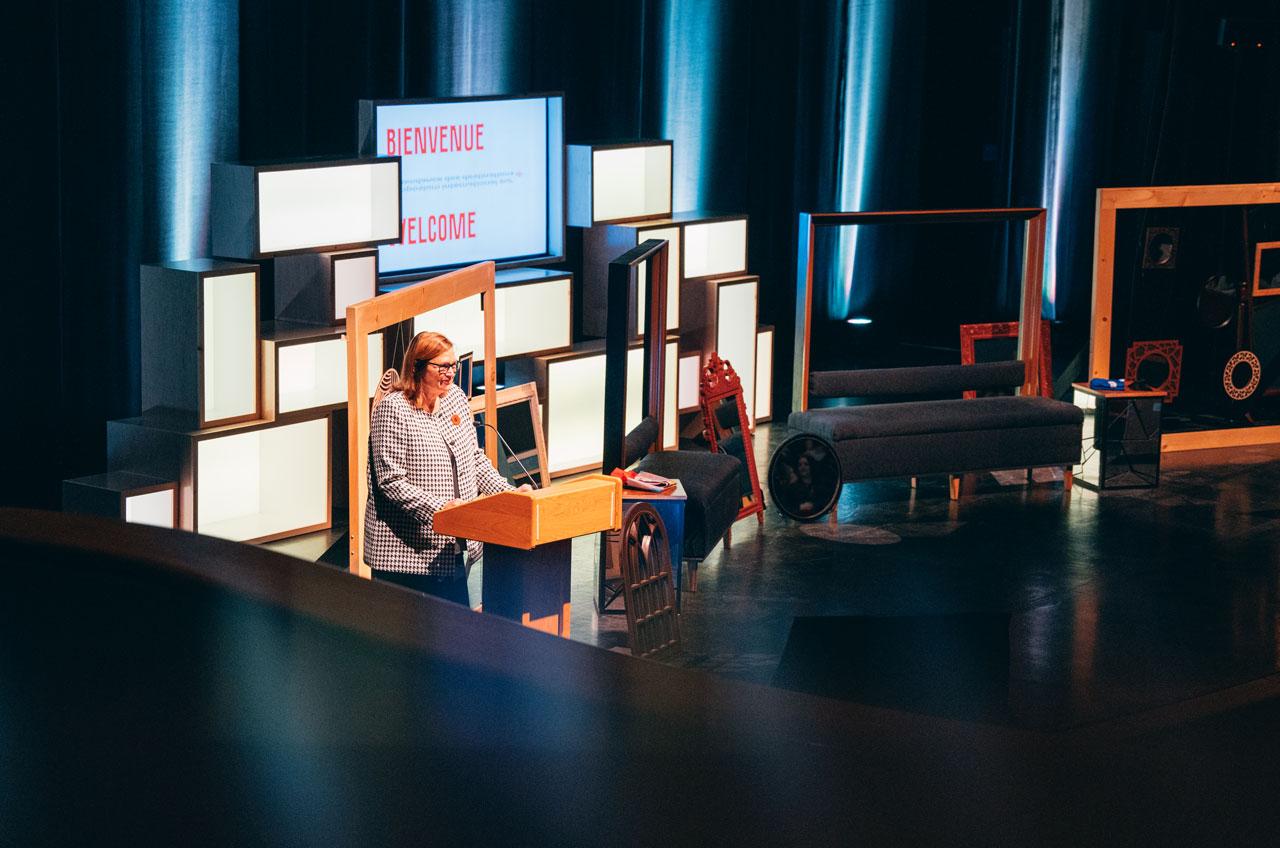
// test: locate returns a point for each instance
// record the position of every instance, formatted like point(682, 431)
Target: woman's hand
point(452, 503)
point(524, 487)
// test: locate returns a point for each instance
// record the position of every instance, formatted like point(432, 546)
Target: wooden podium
point(527, 544)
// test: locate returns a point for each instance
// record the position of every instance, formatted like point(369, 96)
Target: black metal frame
point(617, 339)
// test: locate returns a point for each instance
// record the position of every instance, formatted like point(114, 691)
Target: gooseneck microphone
point(510, 452)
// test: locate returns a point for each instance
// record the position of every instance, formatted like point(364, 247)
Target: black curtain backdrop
point(965, 120)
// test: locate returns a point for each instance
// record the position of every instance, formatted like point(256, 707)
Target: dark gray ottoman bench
point(941, 436)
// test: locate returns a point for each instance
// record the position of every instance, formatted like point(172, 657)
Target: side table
point(1121, 437)
point(670, 507)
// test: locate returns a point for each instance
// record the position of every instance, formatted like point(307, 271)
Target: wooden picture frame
point(526, 393)
point(1270, 251)
point(721, 383)
point(970, 333)
point(1032, 279)
point(375, 314)
point(1110, 201)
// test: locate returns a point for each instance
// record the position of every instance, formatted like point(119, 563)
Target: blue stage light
point(190, 110)
point(868, 37)
point(475, 43)
point(691, 44)
point(1068, 58)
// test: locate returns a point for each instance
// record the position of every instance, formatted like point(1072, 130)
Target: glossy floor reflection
point(1117, 602)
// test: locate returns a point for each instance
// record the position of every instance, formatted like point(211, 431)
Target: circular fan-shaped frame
point(805, 477)
point(1229, 385)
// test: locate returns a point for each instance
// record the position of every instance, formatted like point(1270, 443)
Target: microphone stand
point(510, 452)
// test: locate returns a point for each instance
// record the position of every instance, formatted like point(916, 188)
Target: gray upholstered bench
point(941, 436)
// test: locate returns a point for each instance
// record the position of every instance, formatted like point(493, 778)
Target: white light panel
point(461, 321)
point(575, 412)
point(153, 508)
point(314, 207)
point(764, 374)
point(264, 482)
point(670, 415)
point(230, 342)
point(354, 279)
point(736, 334)
point(532, 317)
point(717, 247)
point(672, 235)
point(690, 371)
point(314, 374)
point(575, 407)
point(631, 182)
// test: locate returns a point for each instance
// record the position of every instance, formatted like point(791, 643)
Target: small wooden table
point(1121, 437)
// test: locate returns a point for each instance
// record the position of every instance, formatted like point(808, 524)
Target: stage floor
point(1116, 602)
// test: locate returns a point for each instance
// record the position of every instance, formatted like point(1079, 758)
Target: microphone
point(510, 452)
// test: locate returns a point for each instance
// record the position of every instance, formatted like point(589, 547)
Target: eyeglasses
point(444, 367)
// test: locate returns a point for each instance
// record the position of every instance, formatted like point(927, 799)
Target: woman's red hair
point(424, 347)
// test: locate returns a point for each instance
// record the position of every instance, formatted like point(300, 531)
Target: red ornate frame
point(1170, 350)
point(720, 381)
point(970, 333)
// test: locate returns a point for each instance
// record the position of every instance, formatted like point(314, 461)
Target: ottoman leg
point(1066, 479)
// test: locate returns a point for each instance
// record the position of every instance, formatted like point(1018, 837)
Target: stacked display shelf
point(243, 423)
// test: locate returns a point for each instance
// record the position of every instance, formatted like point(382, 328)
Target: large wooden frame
point(380, 312)
point(1110, 201)
point(512, 396)
point(1032, 279)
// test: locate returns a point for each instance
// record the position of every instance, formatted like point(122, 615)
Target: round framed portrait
point(804, 477)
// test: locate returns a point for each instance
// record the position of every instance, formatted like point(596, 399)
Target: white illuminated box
point(764, 374)
point(134, 498)
point(534, 315)
point(715, 247)
point(689, 381)
point(572, 388)
point(602, 244)
point(269, 210)
point(247, 482)
point(721, 316)
point(200, 352)
point(619, 182)
point(317, 288)
point(306, 368)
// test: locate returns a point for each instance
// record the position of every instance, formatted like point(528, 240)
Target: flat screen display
point(480, 179)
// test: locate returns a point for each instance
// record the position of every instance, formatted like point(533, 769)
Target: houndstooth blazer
point(412, 455)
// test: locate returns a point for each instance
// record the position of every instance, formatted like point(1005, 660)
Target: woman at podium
point(423, 456)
